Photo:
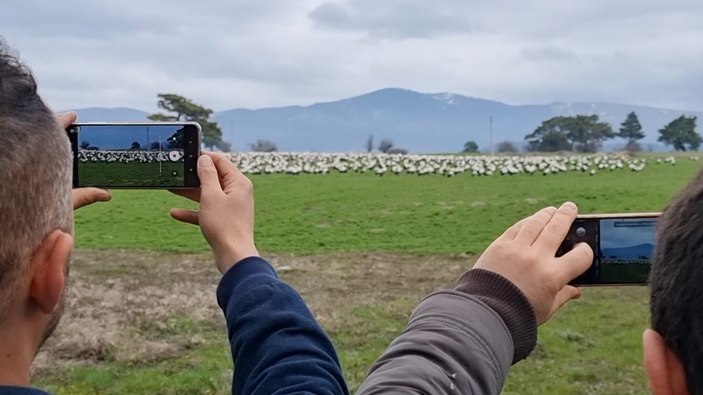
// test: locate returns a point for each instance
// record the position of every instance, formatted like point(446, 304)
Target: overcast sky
point(241, 53)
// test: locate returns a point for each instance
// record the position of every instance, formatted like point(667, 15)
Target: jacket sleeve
point(277, 346)
point(459, 341)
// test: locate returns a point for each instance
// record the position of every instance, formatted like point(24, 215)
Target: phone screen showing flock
point(131, 155)
point(626, 247)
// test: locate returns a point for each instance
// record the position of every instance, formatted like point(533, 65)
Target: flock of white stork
point(444, 165)
point(383, 164)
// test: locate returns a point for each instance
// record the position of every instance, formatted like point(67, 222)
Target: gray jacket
point(460, 341)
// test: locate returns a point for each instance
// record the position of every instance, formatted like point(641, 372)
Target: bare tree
point(507, 147)
point(369, 143)
point(262, 145)
point(385, 145)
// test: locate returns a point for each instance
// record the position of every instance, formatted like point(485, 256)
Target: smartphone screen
point(622, 248)
point(149, 155)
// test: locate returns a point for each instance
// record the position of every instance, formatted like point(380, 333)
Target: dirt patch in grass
point(142, 306)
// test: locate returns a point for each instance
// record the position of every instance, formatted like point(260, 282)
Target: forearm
point(454, 343)
point(461, 341)
point(277, 346)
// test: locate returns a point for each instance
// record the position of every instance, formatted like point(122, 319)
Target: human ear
point(667, 375)
point(48, 270)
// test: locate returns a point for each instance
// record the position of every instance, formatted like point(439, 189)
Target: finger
point(575, 262)
point(207, 173)
point(512, 231)
point(230, 176)
point(556, 230)
point(187, 216)
point(66, 119)
point(566, 294)
point(532, 227)
point(192, 194)
point(82, 197)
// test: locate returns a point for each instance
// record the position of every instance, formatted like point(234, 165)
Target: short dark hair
point(35, 173)
point(676, 280)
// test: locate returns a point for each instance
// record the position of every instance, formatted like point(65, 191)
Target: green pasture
point(378, 244)
point(131, 174)
point(363, 212)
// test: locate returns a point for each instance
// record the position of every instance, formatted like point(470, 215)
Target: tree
point(385, 145)
point(177, 140)
point(550, 136)
point(507, 147)
point(186, 110)
point(263, 146)
point(135, 145)
point(681, 133)
point(582, 133)
point(630, 129)
point(587, 133)
point(155, 146)
point(369, 143)
point(470, 147)
point(85, 144)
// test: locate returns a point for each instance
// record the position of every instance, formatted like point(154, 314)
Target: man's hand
point(525, 255)
point(66, 119)
point(226, 215)
point(85, 196)
point(81, 197)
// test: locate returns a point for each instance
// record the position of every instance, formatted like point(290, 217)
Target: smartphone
point(160, 155)
point(622, 247)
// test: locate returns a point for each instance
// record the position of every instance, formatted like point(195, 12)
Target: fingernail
point(205, 161)
point(569, 206)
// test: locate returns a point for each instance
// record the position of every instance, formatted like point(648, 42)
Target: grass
point(166, 174)
point(363, 212)
point(142, 317)
point(165, 333)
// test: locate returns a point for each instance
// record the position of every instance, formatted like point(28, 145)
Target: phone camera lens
point(580, 231)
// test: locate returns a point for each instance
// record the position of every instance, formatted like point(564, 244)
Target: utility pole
point(231, 136)
point(490, 125)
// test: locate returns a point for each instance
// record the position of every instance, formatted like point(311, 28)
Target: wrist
point(227, 257)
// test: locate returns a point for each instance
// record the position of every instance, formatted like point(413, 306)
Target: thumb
point(566, 294)
point(207, 173)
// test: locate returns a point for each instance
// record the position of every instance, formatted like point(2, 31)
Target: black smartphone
point(622, 247)
point(160, 155)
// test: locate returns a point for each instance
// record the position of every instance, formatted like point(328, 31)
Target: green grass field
point(378, 243)
point(131, 174)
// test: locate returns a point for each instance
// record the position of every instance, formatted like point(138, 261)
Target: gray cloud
point(393, 18)
point(547, 53)
point(280, 52)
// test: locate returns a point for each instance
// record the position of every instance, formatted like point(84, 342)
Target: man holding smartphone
point(277, 344)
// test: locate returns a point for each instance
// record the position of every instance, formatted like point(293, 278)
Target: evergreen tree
point(630, 129)
point(185, 110)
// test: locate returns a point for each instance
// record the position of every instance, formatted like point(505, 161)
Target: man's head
point(35, 204)
point(674, 350)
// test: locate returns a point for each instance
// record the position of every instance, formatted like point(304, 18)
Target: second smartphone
point(622, 246)
point(159, 155)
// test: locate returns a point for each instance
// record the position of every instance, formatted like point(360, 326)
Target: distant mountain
point(419, 122)
point(632, 252)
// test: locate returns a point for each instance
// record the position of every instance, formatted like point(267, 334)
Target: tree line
point(586, 133)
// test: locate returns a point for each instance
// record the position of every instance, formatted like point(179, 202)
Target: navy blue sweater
point(277, 346)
